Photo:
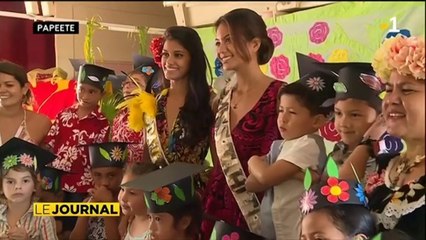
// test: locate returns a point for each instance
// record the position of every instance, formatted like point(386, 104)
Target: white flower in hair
point(93, 78)
point(316, 83)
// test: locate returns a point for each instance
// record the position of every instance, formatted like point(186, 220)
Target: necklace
point(405, 166)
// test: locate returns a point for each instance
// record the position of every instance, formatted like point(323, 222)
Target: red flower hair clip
point(156, 48)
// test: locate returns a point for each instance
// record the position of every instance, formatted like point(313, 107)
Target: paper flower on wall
point(280, 67)
point(329, 132)
point(275, 35)
point(318, 32)
point(339, 55)
point(317, 57)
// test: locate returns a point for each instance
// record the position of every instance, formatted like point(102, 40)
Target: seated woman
point(15, 119)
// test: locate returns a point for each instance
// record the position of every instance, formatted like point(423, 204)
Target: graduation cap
point(76, 63)
point(94, 75)
point(168, 188)
point(222, 229)
point(148, 67)
point(19, 152)
point(333, 191)
point(108, 154)
point(51, 179)
point(317, 80)
point(357, 80)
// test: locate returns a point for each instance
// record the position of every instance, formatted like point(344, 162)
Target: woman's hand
point(377, 129)
point(18, 233)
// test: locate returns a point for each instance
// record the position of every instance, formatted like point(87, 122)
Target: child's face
point(18, 187)
point(162, 227)
point(318, 225)
point(131, 200)
point(88, 95)
point(109, 177)
point(294, 120)
point(352, 119)
point(128, 85)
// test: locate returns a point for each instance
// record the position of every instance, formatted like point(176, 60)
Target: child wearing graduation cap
point(134, 224)
point(20, 162)
point(335, 209)
point(174, 206)
point(304, 107)
point(107, 161)
point(358, 106)
point(82, 123)
point(146, 76)
point(50, 190)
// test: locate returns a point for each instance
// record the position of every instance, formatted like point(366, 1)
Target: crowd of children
point(272, 176)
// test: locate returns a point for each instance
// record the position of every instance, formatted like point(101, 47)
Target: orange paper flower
point(406, 55)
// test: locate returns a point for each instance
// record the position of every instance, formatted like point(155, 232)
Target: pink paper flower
point(319, 32)
point(276, 35)
point(336, 190)
point(374, 180)
point(308, 201)
point(232, 236)
point(26, 160)
point(329, 132)
point(406, 55)
point(317, 57)
point(280, 67)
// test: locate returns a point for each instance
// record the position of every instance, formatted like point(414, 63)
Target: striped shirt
point(38, 228)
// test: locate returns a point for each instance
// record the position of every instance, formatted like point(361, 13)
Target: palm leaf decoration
point(92, 26)
point(143, 35)
point(110, 101)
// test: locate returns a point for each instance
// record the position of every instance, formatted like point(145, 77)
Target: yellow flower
point(139, 106)
point(339, 55)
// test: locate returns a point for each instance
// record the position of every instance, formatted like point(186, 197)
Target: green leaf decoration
point(56, 184)
point(179, 193)
point(378, 237)
point(158, 201)
point(307, 181)
point(105, 154)
point(109, 105)
point(339, 87)
point(332, 169)
point(213, 236)
point(125, 154)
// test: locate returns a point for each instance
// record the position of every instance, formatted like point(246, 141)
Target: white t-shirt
point(305, 152)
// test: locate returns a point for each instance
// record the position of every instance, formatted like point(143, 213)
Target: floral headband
point(156, 48)
point(333, 191)
point(406, 55)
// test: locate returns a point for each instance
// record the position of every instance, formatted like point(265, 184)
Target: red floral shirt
point(65, 138)
point(122, 133)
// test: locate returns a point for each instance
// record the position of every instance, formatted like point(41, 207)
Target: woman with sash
point(246, 121)
point(184, 118)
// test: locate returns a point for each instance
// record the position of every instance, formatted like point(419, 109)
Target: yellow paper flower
point(406, 55)
point(339, 55)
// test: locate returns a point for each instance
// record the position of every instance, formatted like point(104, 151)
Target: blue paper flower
point(218, 67)
point(361, 194)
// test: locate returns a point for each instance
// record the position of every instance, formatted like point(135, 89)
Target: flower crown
point(156, 48)
point(406, 55)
